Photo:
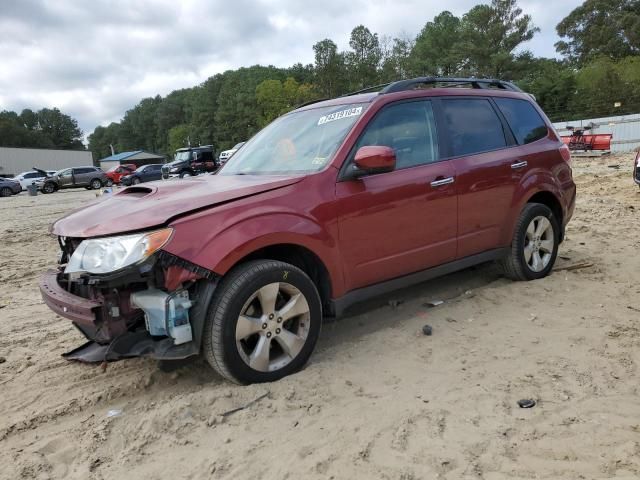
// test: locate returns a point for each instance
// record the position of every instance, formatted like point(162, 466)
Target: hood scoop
point(136, 191)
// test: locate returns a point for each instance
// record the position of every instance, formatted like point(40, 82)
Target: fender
point(220, 245)
point(535, 181)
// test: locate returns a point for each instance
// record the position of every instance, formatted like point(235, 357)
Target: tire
point(109, 183)
point(229, 350)
point(135, 181)
point(536, 228)
point(95, 184)
point(6, 192)
point(185, 174)
point(48, 187)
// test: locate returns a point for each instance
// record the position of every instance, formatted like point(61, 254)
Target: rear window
point(525, 122)
point(474, 126)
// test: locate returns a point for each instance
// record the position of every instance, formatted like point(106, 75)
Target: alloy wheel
point(273, 327)
point(539, 243)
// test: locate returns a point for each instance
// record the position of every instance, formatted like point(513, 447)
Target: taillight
point(566, 154)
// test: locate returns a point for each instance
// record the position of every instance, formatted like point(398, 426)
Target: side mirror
point(374, 159)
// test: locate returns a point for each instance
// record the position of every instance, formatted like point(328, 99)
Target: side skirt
point(361, 294)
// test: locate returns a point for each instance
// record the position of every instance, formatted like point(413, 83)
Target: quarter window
point(525, 122)
point(408, 128)
point(474, 126)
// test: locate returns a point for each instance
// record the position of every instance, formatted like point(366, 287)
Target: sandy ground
point(378, 400)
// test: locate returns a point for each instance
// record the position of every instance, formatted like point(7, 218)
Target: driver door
point(396, 223)
point(65, 177)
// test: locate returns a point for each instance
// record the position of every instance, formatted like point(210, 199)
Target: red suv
point(330, 204)
point(115, 174)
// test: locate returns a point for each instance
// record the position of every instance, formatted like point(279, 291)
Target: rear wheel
point(48, 187)
point(263, 323)
point(5, 192)
point(95, 184)
point(534, 247)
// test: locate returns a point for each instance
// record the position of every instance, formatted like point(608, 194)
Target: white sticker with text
point(349, 112)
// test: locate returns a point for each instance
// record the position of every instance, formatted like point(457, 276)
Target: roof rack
point(367, 90)
point(484, 83)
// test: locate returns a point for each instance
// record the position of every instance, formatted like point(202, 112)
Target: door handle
point(443, 181)
point(518, 165)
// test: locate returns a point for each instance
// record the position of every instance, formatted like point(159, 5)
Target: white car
point(27, 178)
point(227, 154)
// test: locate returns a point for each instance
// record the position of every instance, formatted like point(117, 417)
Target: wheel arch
point(546, 197)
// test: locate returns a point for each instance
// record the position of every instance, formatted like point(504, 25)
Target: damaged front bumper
point(155, 309)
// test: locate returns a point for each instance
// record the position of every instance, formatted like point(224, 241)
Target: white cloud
point(94, 60)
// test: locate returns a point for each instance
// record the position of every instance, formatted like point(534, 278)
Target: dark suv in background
point(145, 173)
point(329, 205)
point(87, 177)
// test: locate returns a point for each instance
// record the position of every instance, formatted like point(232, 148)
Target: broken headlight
point(106, 255)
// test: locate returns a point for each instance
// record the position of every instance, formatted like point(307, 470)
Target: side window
point(32, 175)
point(207, 156)
point(525, 122)
point(474, 126)
point(409, 128)
point(78, 171)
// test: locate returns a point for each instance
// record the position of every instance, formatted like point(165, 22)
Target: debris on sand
point(526, 403)
point(427, 330)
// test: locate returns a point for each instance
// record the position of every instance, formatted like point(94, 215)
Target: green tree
point(608, 28)
point(489, 36)
point(437, 49)
point(363, 60)
point(330, 70)
point(275, 98)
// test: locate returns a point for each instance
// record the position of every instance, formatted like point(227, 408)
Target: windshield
point(295, 143)
point(182, 156)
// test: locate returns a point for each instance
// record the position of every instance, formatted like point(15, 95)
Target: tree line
point(46, 128)
point(597, 74)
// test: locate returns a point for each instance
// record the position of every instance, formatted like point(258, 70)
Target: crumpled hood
point(155, 203)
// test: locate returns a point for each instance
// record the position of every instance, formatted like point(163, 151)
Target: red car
point(330, 204)
point(116, 173)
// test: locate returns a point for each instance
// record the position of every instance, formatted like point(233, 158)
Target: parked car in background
point(87, 177)
point(146, 173)
point(27, 178)
point(636, 168)
point(227, 154)
point(191, 161)
point(9, 186)
point(331, 204)
point(115, 174)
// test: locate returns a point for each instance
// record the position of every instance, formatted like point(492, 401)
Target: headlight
point(105, 255)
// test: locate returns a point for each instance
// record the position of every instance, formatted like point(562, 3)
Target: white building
point(16, 160)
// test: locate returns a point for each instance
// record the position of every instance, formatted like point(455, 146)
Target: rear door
point(82, 176)
point(395, 223)
point(481, 148)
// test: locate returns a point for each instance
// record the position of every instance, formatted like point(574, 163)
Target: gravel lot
point(379, 399)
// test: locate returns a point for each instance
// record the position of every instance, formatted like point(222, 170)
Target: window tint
point(408, 128)
point(32, 175)
point(206, 156)
point(474, 126)
point(78, 171)
point(525, 122)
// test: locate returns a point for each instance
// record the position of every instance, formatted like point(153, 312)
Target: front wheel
point(185, 174)
point(535, 244)
point(48, 188)
point(109, 183)
point(263, 323)
point(135, 181)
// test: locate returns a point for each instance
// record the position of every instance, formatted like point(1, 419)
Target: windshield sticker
point(349, 112)
point(319, 161)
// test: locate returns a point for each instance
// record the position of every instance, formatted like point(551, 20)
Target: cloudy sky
point(95, 59)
